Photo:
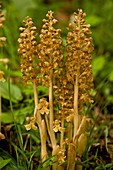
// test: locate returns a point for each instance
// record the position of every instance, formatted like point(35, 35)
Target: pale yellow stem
point(43, 136)
point(51, 104)
point(71, 156)
point(36, 113)
point(41, 124)
point(62, 146)
point(48, 128)
point(81, 129)
point(76, 116)
point(62, 134)
point(35, 94)
point(51, 119)
point(69, 133)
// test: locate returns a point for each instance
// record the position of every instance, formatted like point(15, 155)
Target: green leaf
point(109, 165)
point(15, 92)
point(94, 20)
point(43, 91)
point(22, 6)
point(7, 118)
point(4, 162)
point(111, 76)
point(18, 115)
point(21, 113)
point(98, 64)
point(36, 139)
point(15, 73)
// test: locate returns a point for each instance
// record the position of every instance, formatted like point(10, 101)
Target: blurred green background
point(99, 16)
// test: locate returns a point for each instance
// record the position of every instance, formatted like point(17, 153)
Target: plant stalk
point(62, 133)
point(76, 116)
point(51, 119)
point(69, 133)
point(41, 124)
point(72, 144)
point(36, 113)
point(43, 136)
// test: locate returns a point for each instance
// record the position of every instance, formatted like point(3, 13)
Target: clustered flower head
point(2, 79)
point(70, 116)
point(61, 156)
point(2, 136)
point(50, 49)
point(31, 124)
point(57, 126)
point(2, 41)
point(43, 106)
point(69, 80)
point(28, 50)
point(79, 55)
point(2, 19)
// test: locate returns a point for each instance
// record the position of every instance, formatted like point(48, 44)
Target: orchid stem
point(76, 106)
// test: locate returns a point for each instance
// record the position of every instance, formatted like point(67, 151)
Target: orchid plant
point(70, 82)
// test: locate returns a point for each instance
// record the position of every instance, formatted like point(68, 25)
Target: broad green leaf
point(7, 118)
point(111, 76)
point(15, 92)
point(109, 165)
point(1, 159)
point(19, 115)
point(94, 20)
point(4, 162)
point(22, 6)
point(98, 64)
point(43, 91)
point(15, 73)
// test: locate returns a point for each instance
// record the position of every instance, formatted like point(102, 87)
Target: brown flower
point(79, 55)
point(2, 136)
point(1, 76)
point(2, 19)
point(43, 106)
point(50, 49)
point(31, 124)
point(28, 50)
